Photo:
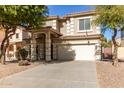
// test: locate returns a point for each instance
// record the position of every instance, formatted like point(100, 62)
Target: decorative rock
point(23, 63)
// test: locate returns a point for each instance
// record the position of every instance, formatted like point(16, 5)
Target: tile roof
point(52, 17)
point(81, 14)
point(72, 15)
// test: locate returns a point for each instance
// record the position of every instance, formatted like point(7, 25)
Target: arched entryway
point(40, 46)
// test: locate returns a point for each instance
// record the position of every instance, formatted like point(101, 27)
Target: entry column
point(33, 49)
point(14, 46)
point(48, 47)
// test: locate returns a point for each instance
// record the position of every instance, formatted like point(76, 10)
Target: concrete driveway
point(58, 75)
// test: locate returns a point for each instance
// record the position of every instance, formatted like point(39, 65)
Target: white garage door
point(76, 52)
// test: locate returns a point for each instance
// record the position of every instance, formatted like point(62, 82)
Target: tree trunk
point(115, 55)
point(2, 59)
point(3, 54)
point(5, 43)
point(2, 51)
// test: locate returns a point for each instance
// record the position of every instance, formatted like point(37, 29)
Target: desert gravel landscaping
point(110, 76)
point(11, 68)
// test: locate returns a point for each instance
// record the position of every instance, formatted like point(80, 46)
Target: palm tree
point(112, 17)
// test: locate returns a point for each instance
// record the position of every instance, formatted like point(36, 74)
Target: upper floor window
point(84, 24)
point(17, 35)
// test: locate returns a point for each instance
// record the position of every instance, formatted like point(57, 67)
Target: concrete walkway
point(57, 75)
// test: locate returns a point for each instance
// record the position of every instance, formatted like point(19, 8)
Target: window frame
point(17, 34)
point(90, 30)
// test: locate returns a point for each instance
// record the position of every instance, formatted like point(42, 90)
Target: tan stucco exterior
point(121, 53)
point(64, 31)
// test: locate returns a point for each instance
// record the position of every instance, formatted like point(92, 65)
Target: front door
point(40, 52)
point(40, 48)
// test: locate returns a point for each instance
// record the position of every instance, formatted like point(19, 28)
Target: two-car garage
point(76, 52)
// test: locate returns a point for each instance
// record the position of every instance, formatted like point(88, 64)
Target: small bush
point(23, 53)
point(23, 63)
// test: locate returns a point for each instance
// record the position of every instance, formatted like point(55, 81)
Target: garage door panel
point(84, 52)
point(76, 52)
point(65, 52)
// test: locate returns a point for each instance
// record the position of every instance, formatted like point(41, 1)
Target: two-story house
point(72, 37)
point(16, 41)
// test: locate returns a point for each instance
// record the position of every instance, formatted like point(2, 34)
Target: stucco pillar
point(14, 47)
point(48, 47)
point(33, 49)
point(98, 52)
point(54, 51)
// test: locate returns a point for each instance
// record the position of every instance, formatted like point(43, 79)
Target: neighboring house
point(121, 47)
point(16, 41)
point(1, 36)
point(106, 53)
point(72, 37)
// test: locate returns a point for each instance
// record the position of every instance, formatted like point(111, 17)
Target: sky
point(61, 10)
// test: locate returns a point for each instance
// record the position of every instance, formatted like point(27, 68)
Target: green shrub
point(23, 53)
